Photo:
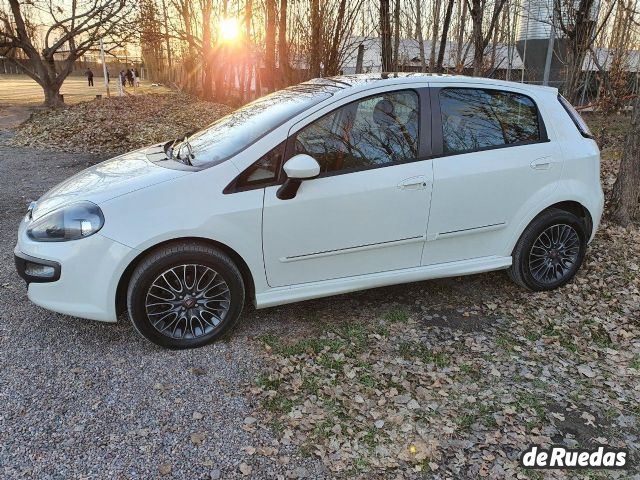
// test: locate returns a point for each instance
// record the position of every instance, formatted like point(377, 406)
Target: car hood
point(106, 180)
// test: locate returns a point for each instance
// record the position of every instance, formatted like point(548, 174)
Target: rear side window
point(475, 119)
point(575, 116)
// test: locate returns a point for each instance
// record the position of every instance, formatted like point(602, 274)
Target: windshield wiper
point(168, 148)
point(190, 155)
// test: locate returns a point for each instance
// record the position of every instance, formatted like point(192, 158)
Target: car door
point(493, 155)
point(367, 212)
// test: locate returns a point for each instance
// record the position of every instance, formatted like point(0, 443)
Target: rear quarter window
point(476, 119)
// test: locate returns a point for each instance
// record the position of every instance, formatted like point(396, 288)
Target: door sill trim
point(307, 291)
point(472, 230)
point(360, 248)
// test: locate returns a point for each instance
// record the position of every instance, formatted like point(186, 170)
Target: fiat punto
point(331, 186)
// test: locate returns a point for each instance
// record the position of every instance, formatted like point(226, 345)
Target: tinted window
point(475, 119)
point(263, 171)
point(371, 132)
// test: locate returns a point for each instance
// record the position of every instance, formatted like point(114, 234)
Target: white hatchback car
point(331, 186)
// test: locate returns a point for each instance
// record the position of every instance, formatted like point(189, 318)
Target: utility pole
point(104, 69)
point(547, 63)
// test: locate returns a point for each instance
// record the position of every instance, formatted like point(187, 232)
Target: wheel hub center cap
point(189, 302)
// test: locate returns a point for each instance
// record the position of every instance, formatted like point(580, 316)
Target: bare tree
point(75, 28)
point(316, 39)
point(420, 36)
point(385, 36)
point(482, 36)
point(283, 47)
point(434, 36)
point(270, 43)
point(396, 36)
point(578, 22)
point(337, 34)
point(445, 35)
point(626, 191)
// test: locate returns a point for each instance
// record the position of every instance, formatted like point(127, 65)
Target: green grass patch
point(328, 361)
point(267, 382)
point(304, 346)
point(600, 336)
point(396, 315)
point(533, 336)
point(278, 404)
point(367, 380)
point(531, 401)
point(505, 342)
point(568, 344)
point(414, 350)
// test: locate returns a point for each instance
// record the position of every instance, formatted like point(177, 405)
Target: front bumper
point(88, 273)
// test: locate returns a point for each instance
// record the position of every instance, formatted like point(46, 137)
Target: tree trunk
point(443, 37)
point(283, 50)
point(396, 36)
point(207, 52)
point(423, 65)
point(478, 43)
point(625, 198)
point(385, 34)
point(270, 44)
point(52, 94)
point(315, 39)
point(463, 18)
point(165, 19)
point(434, 36)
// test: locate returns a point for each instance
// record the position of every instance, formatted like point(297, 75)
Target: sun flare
point(229, 29)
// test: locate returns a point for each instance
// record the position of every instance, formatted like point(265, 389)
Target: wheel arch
point(578, 210)
point(123, 282)
point(573, 206)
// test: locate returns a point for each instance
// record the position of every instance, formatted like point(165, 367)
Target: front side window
point(473, 119)
point(374, 131)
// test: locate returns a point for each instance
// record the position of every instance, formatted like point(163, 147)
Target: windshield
point(234, 132)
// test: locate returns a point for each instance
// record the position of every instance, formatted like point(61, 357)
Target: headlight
point(69, 223)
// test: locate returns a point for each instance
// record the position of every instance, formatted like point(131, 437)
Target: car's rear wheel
point(550, 251)
point(185, 295)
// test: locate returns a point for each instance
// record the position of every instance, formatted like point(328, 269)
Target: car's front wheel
point(550, 251)
point(185, 295)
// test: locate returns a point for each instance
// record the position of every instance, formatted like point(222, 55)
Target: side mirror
point(301, 167)
point(298, 168)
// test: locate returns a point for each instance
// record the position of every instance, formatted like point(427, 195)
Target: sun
point(229, 29)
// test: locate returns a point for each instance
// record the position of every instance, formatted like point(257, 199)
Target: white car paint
point(431, 218)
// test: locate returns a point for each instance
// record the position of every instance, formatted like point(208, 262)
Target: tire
point(537, 264)
point(185, 295)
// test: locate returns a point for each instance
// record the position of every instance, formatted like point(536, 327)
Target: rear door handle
point(413, 183)
point(542, 163)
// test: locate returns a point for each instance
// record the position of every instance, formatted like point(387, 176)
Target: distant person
point(136, 76)
point(129, 75)
point(89, 75)
point(123, 79)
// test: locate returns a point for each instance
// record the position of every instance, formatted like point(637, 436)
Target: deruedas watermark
point(561, 457)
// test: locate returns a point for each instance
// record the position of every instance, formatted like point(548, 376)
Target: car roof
point(363, 81)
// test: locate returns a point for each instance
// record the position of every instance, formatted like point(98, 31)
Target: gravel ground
point(83, 399)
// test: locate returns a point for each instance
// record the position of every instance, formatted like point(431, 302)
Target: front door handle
point(413, 183)
point(542, 163)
